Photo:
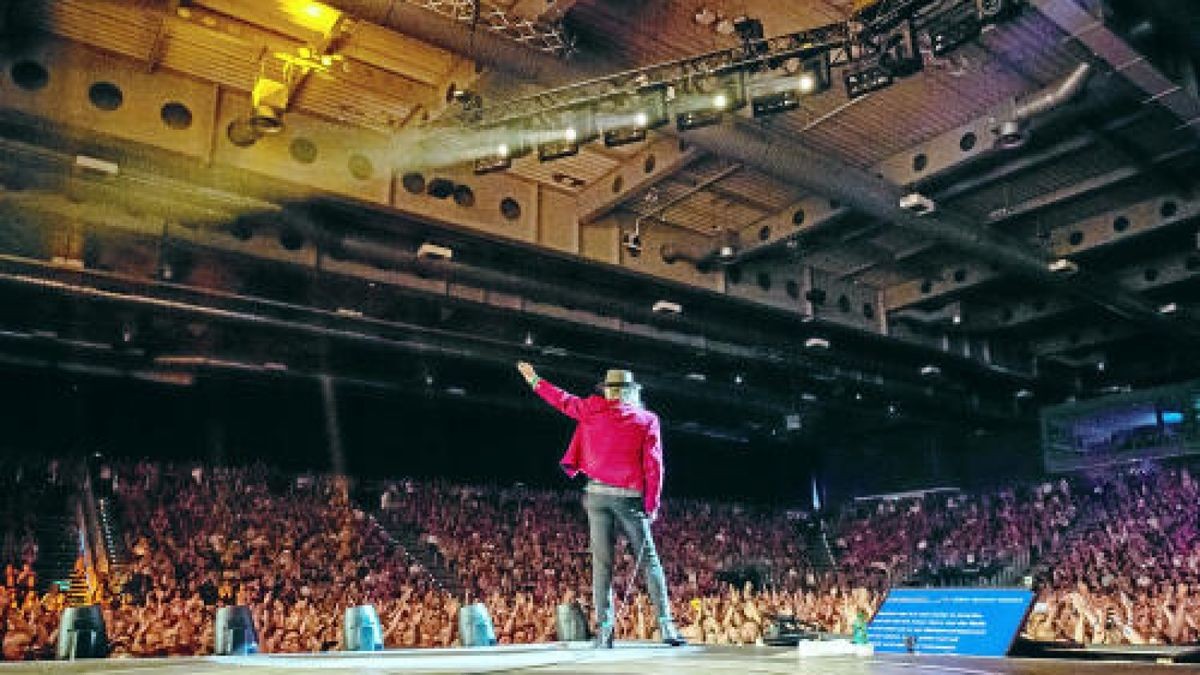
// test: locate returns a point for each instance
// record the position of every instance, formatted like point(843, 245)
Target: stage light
point(774, 102)
point(429, 250)
point(625, 119)
point(1063, 267)
point(560, 135)
point(498, 160)
point(816, 343)
point(666, 307)
point(866, 78)
point(709, 99)
point(269, 99)
point(564, 146)
point(953, 28)
point(314, 16)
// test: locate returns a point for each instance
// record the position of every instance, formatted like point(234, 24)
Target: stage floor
point(625, 659)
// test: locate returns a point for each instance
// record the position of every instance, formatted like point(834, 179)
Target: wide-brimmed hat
point(616, 377)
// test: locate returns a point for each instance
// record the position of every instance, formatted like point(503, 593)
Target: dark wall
point(383, 433)
point(909, 456)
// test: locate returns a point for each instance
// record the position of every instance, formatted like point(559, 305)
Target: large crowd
point(1116, 559)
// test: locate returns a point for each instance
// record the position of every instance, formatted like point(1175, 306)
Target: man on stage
point(617, 445)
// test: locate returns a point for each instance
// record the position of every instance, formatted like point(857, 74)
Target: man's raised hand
point(527, 371)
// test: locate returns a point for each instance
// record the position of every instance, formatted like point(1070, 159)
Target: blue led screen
point(967, 621)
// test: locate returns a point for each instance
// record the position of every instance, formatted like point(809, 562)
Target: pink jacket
point(615, 443)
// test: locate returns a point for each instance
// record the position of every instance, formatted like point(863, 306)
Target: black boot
point(671, 635)
point(604, 637)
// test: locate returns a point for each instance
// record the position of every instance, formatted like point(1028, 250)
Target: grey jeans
point(605, 513)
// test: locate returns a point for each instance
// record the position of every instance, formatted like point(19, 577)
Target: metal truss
point(543, 37)
point(862, 37)
point(769, 52)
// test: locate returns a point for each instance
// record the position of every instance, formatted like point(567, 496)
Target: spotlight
point(498, 160)
point(775, 102)
point(626, 119)
point(696, 119)
point(557, 149)
point(266, 120)
point(772, 93)
point(866, 78)
point(570, 130)
point(470, 102)
point(710, 98)
point(428, 251)
point(953, 29)
point(666, 307)
point(268, 99)
point(816, 343)
point(632, 241)
point(1063, 267)
point(625, 136)
point(1009, 135)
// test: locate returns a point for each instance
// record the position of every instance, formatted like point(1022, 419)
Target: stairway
point(816, 544)
point(111, 532)
point(57, 533)
point(427, 555)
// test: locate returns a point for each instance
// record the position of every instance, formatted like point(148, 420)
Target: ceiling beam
point(1087, 187)
point(1069, 239)
point(1145, 276)
point(662, 155)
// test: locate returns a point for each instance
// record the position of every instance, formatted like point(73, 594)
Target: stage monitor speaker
point(361, 630)
point(570, 623)
point(81, 634)
point(475, 626)
point(234, 632)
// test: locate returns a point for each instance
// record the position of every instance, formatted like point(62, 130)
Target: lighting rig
point(769, 75)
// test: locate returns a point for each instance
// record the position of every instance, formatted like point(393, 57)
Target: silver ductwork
point(1070, 87)
point(1011, 131)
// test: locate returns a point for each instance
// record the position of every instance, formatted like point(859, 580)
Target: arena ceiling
point(755, 269)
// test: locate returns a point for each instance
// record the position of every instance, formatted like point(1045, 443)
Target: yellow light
point(311, 15)
point(807, 83)
point(570, 135)
point(502, 150)
point(720, 101)
point(641, 119)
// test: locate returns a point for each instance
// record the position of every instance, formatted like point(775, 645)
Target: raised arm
point(568, 404)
